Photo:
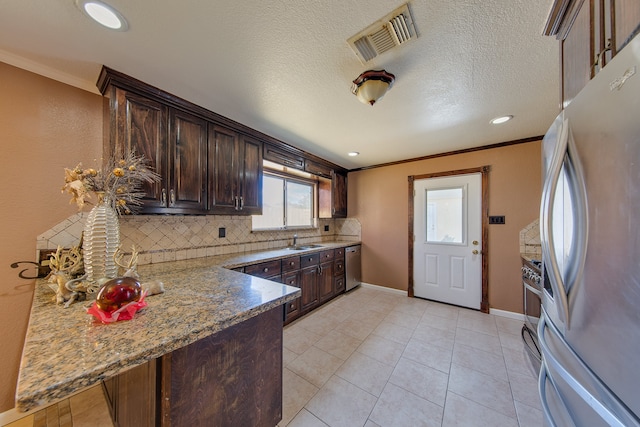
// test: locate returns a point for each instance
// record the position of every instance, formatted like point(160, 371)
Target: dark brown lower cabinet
point(309, 288)
point(232, 378)
point(325, 281)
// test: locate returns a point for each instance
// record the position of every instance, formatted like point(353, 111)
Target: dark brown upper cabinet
point(208, 163)
point(591, 32)
point(140, 124)
point(173, 141)
point(187, 163)
point(235, 179)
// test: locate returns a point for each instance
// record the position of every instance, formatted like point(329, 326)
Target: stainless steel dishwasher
point(353, 267)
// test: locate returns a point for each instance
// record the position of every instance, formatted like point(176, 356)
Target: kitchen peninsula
point(214, 334)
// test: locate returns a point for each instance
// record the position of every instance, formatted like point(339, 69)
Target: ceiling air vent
point(393, 30)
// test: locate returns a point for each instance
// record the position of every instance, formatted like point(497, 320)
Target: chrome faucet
point(295, 239)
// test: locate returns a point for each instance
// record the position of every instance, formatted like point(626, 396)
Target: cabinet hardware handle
point(164, 197)
point(241, 202)
point(235, 202)
point(600, 57)
point(172, 197)
point(266, 269)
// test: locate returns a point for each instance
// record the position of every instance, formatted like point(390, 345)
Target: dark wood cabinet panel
point(139, 124)
point(576, 55)
point(291, 264)
point(627, 21)
point(250, 176)
point(292, 308)
point(283, 157)
point(591, 33)
point(264, 269)
point(309, 288)
point(332, 196)
point(339, 195)
point(317, 168)
point(236, 173)
point(131, 396)
point(340, 284)
point(233, 378)
point(326, 289)
point(223, 161)
point(188, 160)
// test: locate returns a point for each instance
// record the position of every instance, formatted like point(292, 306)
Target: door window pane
point(445, 215)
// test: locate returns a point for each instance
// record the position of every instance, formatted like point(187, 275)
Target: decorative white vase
point(101, 240)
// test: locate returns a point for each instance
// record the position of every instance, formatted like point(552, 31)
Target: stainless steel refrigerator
point(589, 330)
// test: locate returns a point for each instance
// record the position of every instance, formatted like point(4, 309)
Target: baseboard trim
point(508, 314)
point(384, 289)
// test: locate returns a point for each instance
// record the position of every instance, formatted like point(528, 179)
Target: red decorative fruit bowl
point(118, 299)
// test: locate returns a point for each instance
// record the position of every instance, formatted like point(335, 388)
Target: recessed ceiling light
point(353, 153)
point(103, 14)
point(502, 119)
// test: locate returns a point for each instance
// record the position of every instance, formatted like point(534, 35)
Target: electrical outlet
point(326, 228)
point(496, 219)
point(222, 232)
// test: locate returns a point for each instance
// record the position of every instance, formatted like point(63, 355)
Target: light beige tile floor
point(377, 358)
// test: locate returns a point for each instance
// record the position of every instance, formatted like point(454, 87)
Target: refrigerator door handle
point(542, 390)
point(546, 218)
point(549, 360)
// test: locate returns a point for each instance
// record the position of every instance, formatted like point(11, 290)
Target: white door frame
point(484, 170)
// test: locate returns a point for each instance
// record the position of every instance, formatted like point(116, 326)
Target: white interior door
point(447, 258)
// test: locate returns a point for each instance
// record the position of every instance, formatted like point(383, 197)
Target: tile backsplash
point(530, 239)
point(161, 238)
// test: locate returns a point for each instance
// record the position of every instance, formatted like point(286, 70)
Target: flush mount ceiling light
point(103, 14)
point(353, 153)
point(371, 85)
point(499, 120)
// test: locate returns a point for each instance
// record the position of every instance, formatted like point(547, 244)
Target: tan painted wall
point(378, 198)
point(44, 127)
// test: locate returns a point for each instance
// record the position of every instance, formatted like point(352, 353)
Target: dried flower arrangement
point(120, 181)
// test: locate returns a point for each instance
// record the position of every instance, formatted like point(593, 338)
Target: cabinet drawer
point(283, 157)
point(291, 264)
point(327, 255)
point(291, 279)
point(309, 260)
point(317, 169)
point(339, 253)
point(338, 268)
point(264, 269)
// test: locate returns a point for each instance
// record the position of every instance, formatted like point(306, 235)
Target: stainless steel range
point(532, 283)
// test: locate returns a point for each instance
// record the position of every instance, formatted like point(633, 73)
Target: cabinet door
point(340, 284)
point(325, 281)
point(309, 288)
point(139, 124)
point(577, 49)
point(627, 20)
point(339, 195)
point(223, 170)
point(250, 176)
point(188, 148)
point(292, 308)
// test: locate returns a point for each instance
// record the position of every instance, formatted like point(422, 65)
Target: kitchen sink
point(302, 247)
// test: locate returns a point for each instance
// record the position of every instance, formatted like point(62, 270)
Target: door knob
point(475, 242)
point(475, 252)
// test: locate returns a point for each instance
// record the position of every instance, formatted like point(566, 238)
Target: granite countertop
point(66, 350)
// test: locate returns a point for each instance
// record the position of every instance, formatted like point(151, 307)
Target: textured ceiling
point(284, 67)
